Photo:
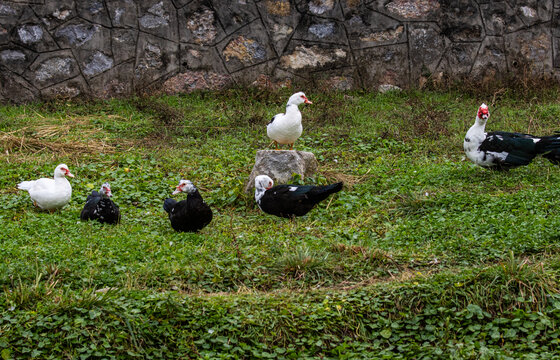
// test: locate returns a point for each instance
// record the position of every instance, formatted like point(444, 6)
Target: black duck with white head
point(100, 207)
point(290, 200)
point(189, 215)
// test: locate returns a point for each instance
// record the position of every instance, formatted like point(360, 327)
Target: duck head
point(105, 190)
point(62, 171)
point(185, 186)
point(298, 98)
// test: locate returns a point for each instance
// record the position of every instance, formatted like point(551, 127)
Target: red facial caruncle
point(483, 112)
point(67, 172)
point(305, 100)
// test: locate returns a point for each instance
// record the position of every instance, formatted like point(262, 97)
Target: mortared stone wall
point(105, 48)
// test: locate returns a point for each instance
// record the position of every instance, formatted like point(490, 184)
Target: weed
point(302, 262)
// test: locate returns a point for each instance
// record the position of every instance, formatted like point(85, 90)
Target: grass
point(422, 255)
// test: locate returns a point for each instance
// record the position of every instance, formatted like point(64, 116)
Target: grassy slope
point(422, 254)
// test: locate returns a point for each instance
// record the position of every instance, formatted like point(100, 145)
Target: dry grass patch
point(22, 143)
point(348, 180)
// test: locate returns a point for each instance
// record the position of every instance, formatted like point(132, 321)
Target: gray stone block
point(499, 18)
point(32, 34)
point(328, 9)
point(312, 28)
point(66, 90)
point(8, 9)
point(302, 58)
point(235, 14)
point(189, 81)
point(156, 58)
point(115, 82)
point(281, 165)
point(52, 68)
point(461, 21)
point(409, 10)
point(195, 57)
point(159, 17)
point(55, 13)
point(335, 79)
point(532, 12)
point(15, 89)
point(247, 76)
point(94, 11)
point(199, 24)
point(123, 43)
point(280, 18)
point(97, 63)
point(80, 34)
point(16, 58)
point(530, 50)
point(459, 59)
point(491, 61)
point(366, 28)
point(426, 46)
point(381, 65)
point(9, 15)
point(123, 13)
point(246, 47)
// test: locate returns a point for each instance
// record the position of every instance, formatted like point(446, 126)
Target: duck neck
point(292, 109)
point(479, 124)
point(259, 194)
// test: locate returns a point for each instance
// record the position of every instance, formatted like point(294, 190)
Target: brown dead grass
point(12, 143)
point(348, 180)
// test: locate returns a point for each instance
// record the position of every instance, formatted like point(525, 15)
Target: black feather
point(100, 208)
point(188, 215)
point(294, 200)
point(520, 148)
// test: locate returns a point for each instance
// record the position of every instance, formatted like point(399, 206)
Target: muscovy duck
point(100, 207)
point(502, 150)
point(290, 200)
point(50, 194)
point(286, 128)
point(190, 215)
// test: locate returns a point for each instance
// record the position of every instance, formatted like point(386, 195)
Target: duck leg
point(292, 146)
point(276, 144)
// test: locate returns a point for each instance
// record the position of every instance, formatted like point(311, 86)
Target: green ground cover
point(423, 255)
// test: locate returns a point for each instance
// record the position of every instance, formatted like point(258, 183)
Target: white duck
point(286, 128)
point(50, 194)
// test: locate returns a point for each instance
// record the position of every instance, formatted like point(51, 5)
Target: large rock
point(280, 165)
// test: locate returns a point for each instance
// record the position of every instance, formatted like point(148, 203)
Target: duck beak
point(177, 190)
point(68, 173)
point(307, 101)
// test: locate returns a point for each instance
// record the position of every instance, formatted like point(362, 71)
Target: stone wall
point(104, 48)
